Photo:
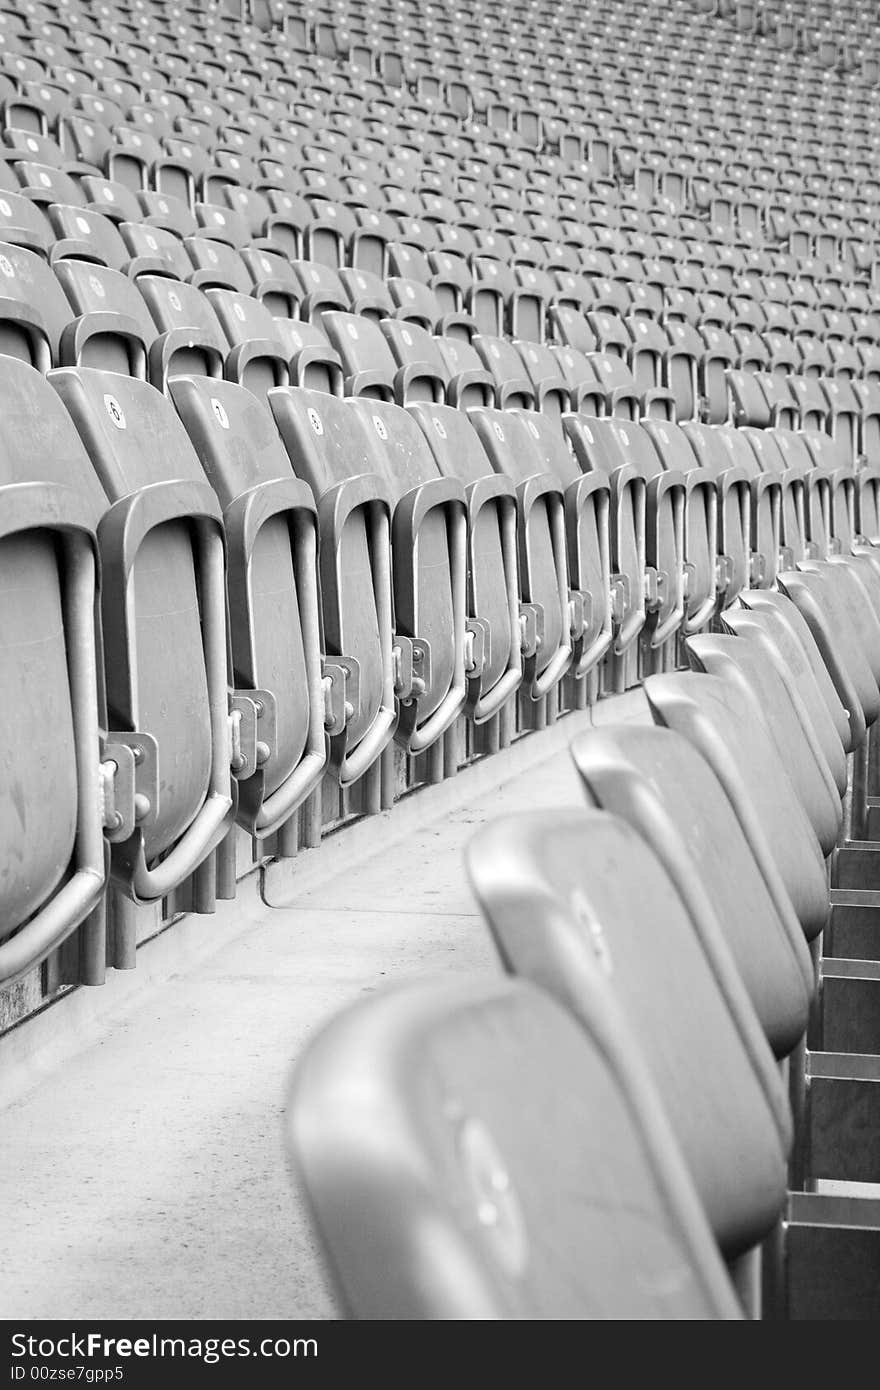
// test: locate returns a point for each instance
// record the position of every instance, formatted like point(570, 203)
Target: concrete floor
point(141, 1165)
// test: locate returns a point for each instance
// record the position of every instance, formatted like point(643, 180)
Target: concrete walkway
point(141, 1165)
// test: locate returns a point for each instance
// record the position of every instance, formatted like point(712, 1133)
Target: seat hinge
point(580, 612)
point(656, 582)
point(620, 598)
point(477, 638)
point(786, 558)
point(688, 578)
point(531, 627)
point(723, 573)
point(412, 667)
point(341, 684)
point(252, 720)
point(129, 783)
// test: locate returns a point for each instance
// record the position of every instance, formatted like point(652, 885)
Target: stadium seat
point(54, 732)
point(456, 1217)
point(559, 918)
point(164, 620)
point(271, 536)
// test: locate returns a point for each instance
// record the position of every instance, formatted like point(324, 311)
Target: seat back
point(50, 824)
point(793, 640)
point(430, 558)
point(663, 787)
point(456, 1204)
point(330, 449)
point(724, 723)
point(724, 655)
point(163, 608)
point(565, 896)
point(272, 582)
point(543, 559)
point(493, 580)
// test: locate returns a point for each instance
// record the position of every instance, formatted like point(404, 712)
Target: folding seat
point(418, 303)
point(752, 354)
point(551, 907)
point(187, 336)
point(215, 253)
point(42, 152)
point(271, 536)
point(783, 357)
point(106, 196)
point(82, 232)
point(168, 214)
point(527, 310)
point(312, 362)
point(778, 632)
point(647, 525)
point(815, 359)
point(256, 355)
point(498, 1035)
point(221, 224)
point(620, 396)
point(657, 781)
point(164, 626)
point(494, 667)
point(35, 106)
point(371, 368)
point(424, 663)
point(845, 411)
point(514, 451)
point(743, 665)
point(609, 332)
point(491, 290)
point(793, 485)
point(705, 577)
point(469, 381)
point(718, 717)
point(647, 353)
point(368, 295)
point(24, 223)
point(34, 313)
point(571, 328)
point(321, 290)
point(86, 142)
point(586, 500)
point(132, 156)
point(418, 356)
point(152, 247)
point(429, 548)
point(54, 729)
point(45, 184)
point(512, 384)
point(553, 392)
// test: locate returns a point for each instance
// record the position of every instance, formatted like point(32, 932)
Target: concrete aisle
point(141, 1164)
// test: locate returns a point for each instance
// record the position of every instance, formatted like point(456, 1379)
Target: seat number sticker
point(114, 410)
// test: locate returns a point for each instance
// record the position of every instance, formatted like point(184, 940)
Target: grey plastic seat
point(725, 655)
point(495, 671)
point(576, 902)
point(272, 583)
point(163, 606)
point(447, 1179)
point(656, 781)
point(332, 450)
point(51, 825)
point(723, 721)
